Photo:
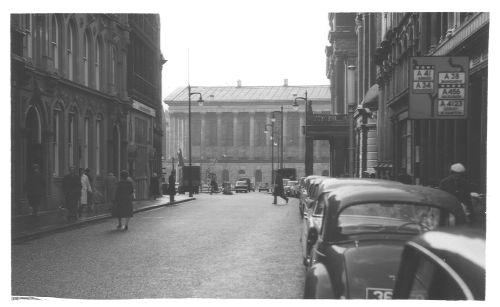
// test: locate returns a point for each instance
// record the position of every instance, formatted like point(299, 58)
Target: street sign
point(438, 87)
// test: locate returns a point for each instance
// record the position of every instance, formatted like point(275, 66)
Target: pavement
point(26, 227)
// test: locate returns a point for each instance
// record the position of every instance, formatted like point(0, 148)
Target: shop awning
point(371, 97)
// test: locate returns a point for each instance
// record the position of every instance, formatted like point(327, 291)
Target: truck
point(183, 178)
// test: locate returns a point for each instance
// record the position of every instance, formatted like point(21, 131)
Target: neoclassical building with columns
point(228, 138)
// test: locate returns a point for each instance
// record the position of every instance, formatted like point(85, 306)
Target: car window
point(431, 281)
point(320, 207)
point(397, 217)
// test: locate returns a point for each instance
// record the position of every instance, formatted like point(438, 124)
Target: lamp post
point(351, 105)
point(308, 146)
point(272, 148)
point(273, 119)
point(200, 102)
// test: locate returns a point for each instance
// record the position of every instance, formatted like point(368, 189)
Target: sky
point(257, 45)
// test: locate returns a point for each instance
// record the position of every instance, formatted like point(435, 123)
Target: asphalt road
point(217, 246)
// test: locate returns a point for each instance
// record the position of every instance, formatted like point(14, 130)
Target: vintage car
point(314, 215)
point(241, 186)
point(264, 187)
point(443, 265)
point(359, 245)
point(311, 184)
point(289, 188)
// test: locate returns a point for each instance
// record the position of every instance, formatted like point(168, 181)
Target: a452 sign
point(438, 87)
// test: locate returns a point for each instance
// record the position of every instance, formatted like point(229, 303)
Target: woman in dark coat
point(278, 189)
point(123, 200)
point(171, 186)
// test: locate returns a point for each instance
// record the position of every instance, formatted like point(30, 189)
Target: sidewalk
point(26, 226)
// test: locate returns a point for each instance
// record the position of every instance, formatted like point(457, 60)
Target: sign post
point(438, 87)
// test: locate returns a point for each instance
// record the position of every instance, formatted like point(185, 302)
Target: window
point(29, 35)
point(86, 136)
point(70, 52)
point(431, 281)
point(98, 132)
point(56, 140)
point(258, 175)
point(71, 137)
point(245, 129)
point(86, 59)
point(97, 68)
point(55, 42)
point(141, 131)
point(113, 67)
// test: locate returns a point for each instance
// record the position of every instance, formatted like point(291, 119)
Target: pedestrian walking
point(171, 186)
point(35, 186)
point(154, 186)
point(278, 188)
point(90, 194)
point(86, 188)
point(457, 184)
point(72, 189)
point(123, 200)
point(110, 187)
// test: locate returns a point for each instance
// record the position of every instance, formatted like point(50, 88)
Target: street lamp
point(308, 146)
point(273, 119)
point(200, 103)
point(272, 148)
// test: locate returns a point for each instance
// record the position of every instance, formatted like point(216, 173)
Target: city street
point(217, 246)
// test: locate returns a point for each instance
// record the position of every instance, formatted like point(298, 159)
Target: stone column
point(252, 135)
point(301, 136)
point(236, 139)
point(219, 129)
point(268, 121)
point(203, 136)
point(285, 135)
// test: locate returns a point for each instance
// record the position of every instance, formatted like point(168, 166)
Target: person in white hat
point(457, 184)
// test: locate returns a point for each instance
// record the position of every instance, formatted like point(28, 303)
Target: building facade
point(76, 98)
point(389, 142)
point(228, 131)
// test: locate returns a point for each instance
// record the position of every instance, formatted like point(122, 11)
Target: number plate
point(378, 293)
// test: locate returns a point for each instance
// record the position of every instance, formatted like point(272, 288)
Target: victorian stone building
point(228, 136)
point(387, 140)
point(85, 92)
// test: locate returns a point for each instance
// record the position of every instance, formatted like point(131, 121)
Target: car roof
point(327, 184)
point(456, 245)
point(350, 194)
point(462, 248)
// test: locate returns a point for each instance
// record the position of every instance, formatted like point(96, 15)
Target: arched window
point(55, 42)
point(85, 59)
point(72, 124)
point(258, 175)
point(86, 140)
point(113, 68)
point(28, 28)
point(98, 140)
point(70, 51)
point(97, 68)
point(56, 126)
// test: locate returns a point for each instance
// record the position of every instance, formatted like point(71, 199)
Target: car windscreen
point(240, 183)
point(392, 217)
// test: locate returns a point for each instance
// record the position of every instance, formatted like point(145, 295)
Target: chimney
point(285, 82)
point(239, 83)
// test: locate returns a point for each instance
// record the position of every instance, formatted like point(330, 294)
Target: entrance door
point(34, 154)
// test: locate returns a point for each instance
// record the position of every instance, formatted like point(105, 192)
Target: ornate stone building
point(85, 92)
point(228, 129)
point(387, 140)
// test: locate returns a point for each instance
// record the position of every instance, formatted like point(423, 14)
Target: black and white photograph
point(252, 150)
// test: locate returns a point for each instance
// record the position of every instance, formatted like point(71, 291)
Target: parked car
point(264, 187)
point(241, 186)
point(313, 215)
point(310, 184)
point(289, 188)
point(443, 265)
point(358, 249)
